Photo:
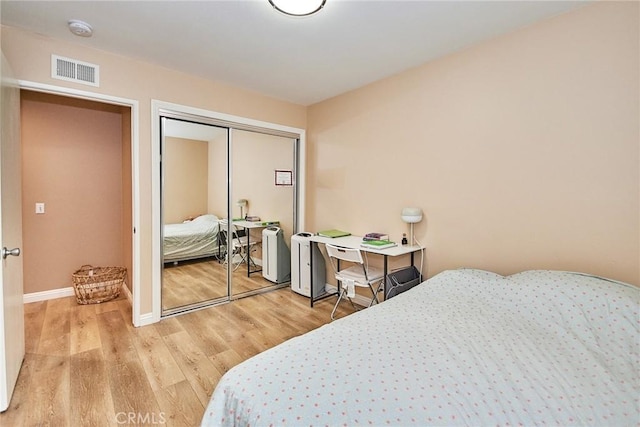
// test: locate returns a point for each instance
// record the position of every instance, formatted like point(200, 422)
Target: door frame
point(135, 174)
point(156, 209)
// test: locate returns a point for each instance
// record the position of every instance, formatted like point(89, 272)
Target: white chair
point(360, 274)
point(242, 245)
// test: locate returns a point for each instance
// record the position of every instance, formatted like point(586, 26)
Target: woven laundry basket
point(94, 285)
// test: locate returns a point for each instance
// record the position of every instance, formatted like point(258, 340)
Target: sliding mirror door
point(258, 161)
point(194, 200)
point(229, 201)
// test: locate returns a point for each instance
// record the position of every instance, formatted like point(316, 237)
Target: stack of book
point(377, 241)
point(375, 236)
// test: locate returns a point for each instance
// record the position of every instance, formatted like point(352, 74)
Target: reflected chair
point(242, 246)
point(360, 274)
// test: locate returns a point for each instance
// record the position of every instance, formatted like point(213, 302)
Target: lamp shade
point(242, 203)
point(411, 215)
point(298, 7)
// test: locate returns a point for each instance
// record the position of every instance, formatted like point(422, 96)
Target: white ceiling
point(246, 43)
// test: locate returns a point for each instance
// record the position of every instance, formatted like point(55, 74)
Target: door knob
point(6, 252)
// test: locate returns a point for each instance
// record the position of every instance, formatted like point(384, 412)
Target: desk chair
point(359, 274)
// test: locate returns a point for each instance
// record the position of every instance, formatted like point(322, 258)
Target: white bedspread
point(191, 239)
point(467, 347)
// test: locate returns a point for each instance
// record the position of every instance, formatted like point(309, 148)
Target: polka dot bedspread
point(467, 347)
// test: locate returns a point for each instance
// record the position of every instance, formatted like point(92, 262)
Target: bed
point(466, 347)
point(197, 238)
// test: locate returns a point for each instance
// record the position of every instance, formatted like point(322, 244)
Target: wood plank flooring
point(195, 281)
point(86, 365)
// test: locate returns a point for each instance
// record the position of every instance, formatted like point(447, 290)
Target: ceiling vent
point(73, 70)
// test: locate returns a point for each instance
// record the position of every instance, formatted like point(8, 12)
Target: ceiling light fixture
point(80, 28)
point(298, 7)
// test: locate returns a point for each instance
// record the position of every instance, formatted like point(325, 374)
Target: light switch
point(39, 208)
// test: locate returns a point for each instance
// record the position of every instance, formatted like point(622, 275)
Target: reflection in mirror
point(207, 258)
point(256, 157)
point(193, 201)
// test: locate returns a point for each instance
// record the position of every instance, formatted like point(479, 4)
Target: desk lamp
point(411, 216)
point(243, 204)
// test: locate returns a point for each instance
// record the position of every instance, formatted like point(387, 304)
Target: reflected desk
point(248, 226)
point(354, 242)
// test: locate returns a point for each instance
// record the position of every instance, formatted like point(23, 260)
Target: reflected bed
point(197, 238)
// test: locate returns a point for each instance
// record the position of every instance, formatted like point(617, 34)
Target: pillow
point(206, 218)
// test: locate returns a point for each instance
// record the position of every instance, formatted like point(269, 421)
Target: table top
point(354, 242)
point(251, 224)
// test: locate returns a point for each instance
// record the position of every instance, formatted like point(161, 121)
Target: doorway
point(238, 160)
point(77, 169)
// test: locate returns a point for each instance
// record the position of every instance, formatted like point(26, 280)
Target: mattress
point(191, 239)
point(467, 347)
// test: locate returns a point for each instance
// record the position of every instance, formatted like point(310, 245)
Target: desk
point(354, 242)
point(248, 226)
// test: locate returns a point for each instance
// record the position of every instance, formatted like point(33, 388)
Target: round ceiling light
point(298, 7)
point(80, 28)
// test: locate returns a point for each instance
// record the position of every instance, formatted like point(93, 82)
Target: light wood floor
point(200, 280)
point(86, 365)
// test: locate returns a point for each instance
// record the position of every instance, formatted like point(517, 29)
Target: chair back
point(344, 254)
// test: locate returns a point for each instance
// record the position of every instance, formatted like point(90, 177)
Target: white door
point(11, 302)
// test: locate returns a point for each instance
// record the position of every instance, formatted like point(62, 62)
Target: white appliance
point(301, 269)
point(276, 256)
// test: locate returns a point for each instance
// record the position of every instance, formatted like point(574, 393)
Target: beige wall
point(30, 55)
point(72, 162)
point(218, 176)
point(523, 151)
point(255, 159)
point(186, 171)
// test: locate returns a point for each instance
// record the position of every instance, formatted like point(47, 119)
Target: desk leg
point(384, 277)
point(311, 247)
point(248, 233)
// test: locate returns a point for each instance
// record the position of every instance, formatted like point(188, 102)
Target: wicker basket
point(94, 285)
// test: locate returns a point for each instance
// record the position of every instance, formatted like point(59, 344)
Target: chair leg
point(335, 307)
point(375, 295)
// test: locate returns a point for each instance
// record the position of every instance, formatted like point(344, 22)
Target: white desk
point(354, 242)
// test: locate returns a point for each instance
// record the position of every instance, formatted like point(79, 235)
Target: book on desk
point(377, 244)
point(375, 236)
point(333, 233)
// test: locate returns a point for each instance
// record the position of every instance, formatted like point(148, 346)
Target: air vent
point(73, 70)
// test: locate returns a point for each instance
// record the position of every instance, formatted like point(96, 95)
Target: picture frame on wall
point(283, 177)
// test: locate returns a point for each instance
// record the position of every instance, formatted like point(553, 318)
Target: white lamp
point(243, 204)
point(298, 7)
point(411, 216)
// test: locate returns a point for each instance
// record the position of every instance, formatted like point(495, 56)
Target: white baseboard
point(47, 295)
point(127, 292)
point(145, 319)
point(62, 293)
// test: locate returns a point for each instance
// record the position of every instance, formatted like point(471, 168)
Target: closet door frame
point(162, 108)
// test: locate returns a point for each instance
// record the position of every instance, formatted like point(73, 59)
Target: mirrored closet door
point(228, 202)
point(267, 208)
point(194, 200)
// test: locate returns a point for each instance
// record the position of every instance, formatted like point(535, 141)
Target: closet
point(213, 170)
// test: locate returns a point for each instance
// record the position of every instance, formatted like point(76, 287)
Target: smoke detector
point(80, 28)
